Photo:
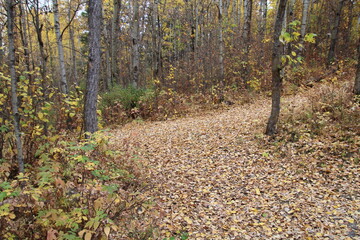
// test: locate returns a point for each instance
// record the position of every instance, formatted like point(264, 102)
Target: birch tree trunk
point(135, 60)
point(63, 82)
point(14, 97)
point(276, 70)
point(334, 33)
point(304, 20)
point(93, 74)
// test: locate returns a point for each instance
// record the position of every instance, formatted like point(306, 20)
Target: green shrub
point(128, 97)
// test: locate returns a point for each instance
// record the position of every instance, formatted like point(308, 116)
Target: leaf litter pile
point(216, 176)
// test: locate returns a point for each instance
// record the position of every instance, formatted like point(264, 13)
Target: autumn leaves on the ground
point(216, 176)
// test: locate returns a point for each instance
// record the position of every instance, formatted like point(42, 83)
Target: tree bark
point(357, 77)
point(14, 97)
point(350, 23)
point(246, 41)
point(155, 35)
point(38, 29)
point(63, 82)
point(221, 48)
point(135, 60)
point(24, 38)
point(74, 73)
point(334, 33)
point(1, 50)
point(93, 74)
point(276, 70)
point(263, 19)
point(304, 20)
point(115, 42)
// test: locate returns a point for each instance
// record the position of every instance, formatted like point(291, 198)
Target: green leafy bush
point(128, 97)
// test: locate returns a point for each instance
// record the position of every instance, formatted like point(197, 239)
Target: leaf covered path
point(216, 176)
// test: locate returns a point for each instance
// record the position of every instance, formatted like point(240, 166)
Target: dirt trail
point(213, 178)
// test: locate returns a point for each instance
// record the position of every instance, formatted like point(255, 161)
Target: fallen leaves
point(217, 177)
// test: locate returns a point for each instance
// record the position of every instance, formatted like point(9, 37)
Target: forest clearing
point(179, 119)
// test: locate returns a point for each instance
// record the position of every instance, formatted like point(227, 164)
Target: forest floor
point(216, 176)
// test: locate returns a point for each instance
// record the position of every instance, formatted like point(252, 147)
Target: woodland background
point(70, 68)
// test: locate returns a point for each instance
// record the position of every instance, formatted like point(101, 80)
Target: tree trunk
point(357, 77)
point(38, 29)
point(115, 42)
point(93, 74)
point(276, 70)
point(263, 18)
point(14, 97)
point(74, 73)
point(155, 34)
point(1, 50)
point(334, 33)
point(221, 51)
point(304, 20)
point(350, 23)
point(63, 82)
point(135, 61)
point(24, 39)
point(246, 41)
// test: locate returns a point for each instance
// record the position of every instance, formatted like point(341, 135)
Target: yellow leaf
point(81, 233)
point(350, 220)
point(107, 231)
point(188, 220)
point(257, 191)
point(41, 115)
point(279, 229)
point(88, 236)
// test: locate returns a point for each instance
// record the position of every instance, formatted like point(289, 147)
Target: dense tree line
point(185, 45)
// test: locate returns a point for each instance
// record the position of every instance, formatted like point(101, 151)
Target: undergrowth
point(326, 127)
point(76, 190)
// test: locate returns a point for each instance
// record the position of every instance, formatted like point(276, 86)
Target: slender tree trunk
point(246, 41)
point(14, 97)
point(24, 39)
point(304, 20)
point(93, 75)
point(276, 70)
point(357, 77)
point(263, 19)
point(196, 27)
point(334, 33)
point(63, 82)
point(221, 50)
point(350, 23)
point(155, 39)
point(135, 60)
point(74, 73)
point(1, 50)
point(38, 29)
point(115, 42)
